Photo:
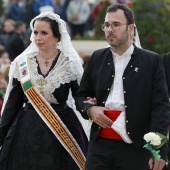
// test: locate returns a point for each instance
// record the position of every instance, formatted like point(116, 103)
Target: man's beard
point(114, 41)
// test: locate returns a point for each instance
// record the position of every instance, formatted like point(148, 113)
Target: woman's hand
point(90, 100)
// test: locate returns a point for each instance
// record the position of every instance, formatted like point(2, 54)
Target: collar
point(128, 52)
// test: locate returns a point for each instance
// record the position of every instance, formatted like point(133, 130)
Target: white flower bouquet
point(153, 142)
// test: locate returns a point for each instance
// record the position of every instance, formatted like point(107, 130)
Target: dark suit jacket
point(166, 62)
point(145, 92)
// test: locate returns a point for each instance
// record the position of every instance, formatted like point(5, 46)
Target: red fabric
point(96, 10)
point(109, 133)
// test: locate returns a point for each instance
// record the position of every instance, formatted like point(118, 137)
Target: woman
point(45, 133)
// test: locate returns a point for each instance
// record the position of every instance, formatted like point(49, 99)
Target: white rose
point(148, 137)
point(153, 138)
point(156, 140)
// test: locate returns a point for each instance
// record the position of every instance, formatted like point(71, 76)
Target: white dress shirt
point(115, 100)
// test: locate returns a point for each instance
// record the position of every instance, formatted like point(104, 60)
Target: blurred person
point(3, 86)
point(9, 30)
point(64, 9)
point(4, 61)
point(39, 128)
point(9, 26)
point(78, 12)
point(17, 11)
point(27, 36)
point(43, 6)
point(29, 12)
point(129, 85)
point(58, 5)
point(6, 73)
point(7, 4)
point(16, 43)
point(1, 37)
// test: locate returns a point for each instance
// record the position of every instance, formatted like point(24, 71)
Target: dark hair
point(127, 11)
point(53, 25)
point(19, 24)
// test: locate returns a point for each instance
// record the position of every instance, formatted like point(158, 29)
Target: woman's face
point(43, 36)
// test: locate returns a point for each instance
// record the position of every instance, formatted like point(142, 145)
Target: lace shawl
point(64, 71)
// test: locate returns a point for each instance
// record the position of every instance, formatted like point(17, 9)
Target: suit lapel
point(107, 69)
point(131, 64)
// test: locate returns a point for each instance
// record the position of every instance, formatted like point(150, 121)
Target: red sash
point(109, 133)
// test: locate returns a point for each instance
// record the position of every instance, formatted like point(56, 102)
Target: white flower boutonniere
point(153, 142)
point(153, 138)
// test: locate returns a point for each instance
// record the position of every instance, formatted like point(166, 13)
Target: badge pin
point(136, 69)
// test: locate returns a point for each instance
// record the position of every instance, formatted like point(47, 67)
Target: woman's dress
point(29, 144)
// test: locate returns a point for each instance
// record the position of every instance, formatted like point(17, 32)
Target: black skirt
point(30, 145)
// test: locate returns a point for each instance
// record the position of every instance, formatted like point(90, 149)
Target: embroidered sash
point(48, 115)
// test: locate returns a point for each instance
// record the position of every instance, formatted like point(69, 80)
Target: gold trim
point(49, 116)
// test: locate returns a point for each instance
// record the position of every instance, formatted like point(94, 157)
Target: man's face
point(117, 31)
point(8, 26)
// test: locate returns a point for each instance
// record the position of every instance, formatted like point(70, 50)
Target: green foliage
point(100, 20)
point(153, 23)
point(2, 93)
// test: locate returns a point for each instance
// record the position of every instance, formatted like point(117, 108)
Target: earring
point(58, 46)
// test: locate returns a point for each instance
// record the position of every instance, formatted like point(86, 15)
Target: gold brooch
point(41, 82)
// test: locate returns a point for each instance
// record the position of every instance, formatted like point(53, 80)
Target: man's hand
point(74, 17)
point(98, 116)
point(158, 164)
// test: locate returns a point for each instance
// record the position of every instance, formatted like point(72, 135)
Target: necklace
point(47, 62)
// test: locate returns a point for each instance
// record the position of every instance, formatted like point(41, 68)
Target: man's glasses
point(115, 26)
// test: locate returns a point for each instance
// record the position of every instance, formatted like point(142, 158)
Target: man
point(14, 41)
point(17, 11)
point(129, 86)
point(78, 12)
point(9, 28)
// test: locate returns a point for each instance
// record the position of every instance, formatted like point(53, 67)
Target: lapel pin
point(136, 69)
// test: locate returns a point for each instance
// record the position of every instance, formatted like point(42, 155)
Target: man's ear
point(131, 30)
